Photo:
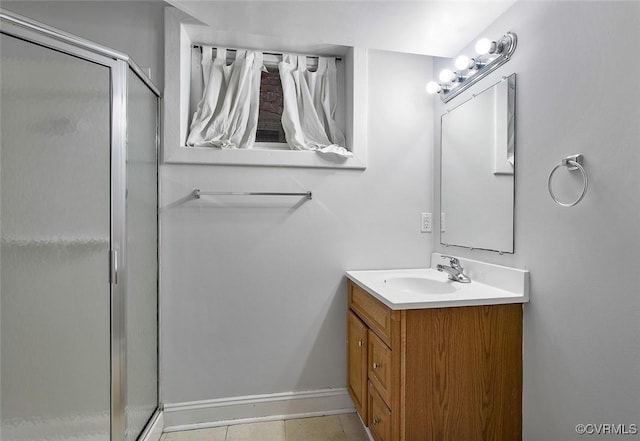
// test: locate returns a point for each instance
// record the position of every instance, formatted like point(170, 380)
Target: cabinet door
point(357, 363)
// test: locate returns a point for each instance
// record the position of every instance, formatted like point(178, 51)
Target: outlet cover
point(426, 222)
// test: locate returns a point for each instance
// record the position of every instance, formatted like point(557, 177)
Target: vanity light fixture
point(491, 55)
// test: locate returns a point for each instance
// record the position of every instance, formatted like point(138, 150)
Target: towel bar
point(197, 193)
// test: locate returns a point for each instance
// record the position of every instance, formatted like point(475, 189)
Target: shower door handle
point(113, 276)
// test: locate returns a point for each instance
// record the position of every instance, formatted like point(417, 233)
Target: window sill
point(258, 157)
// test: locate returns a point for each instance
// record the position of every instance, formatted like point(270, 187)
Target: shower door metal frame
point(28, 30)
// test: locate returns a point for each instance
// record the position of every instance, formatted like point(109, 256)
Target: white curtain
point(308, 118)
point(227, 114)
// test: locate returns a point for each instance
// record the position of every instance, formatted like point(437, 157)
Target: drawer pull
point(376, 365)
point(360, 343)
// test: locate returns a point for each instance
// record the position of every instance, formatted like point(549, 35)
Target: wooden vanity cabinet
point(439, 374)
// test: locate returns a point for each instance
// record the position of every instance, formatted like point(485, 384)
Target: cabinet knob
point(361, 343)
point(376, 365)
point(375, 421)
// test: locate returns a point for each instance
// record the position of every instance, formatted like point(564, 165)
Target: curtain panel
point(308, 118)
point(227, 114)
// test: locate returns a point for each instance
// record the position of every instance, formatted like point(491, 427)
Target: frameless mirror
point(477, 170)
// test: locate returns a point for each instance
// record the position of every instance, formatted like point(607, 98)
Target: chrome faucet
point(455, 271)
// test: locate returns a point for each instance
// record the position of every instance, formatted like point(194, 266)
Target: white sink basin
point(428, 288)
point(420, 285)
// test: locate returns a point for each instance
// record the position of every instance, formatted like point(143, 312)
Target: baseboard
point(255, 408)
point(153, 431)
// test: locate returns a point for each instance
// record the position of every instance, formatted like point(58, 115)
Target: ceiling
point(437, 28)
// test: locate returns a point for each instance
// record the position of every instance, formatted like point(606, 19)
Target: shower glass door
point(141, 285)
point(55, 237)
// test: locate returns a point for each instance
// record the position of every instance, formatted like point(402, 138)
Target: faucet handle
point(453, 261)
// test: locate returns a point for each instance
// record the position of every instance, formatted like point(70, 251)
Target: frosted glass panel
point(142, 257)
point(55, 239)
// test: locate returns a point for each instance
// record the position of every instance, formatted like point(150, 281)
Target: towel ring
point(572, 163)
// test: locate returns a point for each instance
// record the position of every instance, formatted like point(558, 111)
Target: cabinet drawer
point(379, 361)
point(373, 312)
point(379, 416)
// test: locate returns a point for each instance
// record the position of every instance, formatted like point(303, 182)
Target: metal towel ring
point(572, 163)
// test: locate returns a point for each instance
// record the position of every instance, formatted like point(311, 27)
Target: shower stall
point(79, 142)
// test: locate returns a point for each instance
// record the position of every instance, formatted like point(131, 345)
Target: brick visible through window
point(270, 112)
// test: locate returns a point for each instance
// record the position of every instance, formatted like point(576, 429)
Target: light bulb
point(433, 87)
point(484, 46)
point(446, 76)
point(463, 62)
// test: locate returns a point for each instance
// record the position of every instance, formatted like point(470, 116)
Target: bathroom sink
point(420, 285)
point(428, 288)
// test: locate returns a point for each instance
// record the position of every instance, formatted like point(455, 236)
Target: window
point(182, 94)
point(270, 114)
point(270, 134)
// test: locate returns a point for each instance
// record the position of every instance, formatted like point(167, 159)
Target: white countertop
point(408, 289)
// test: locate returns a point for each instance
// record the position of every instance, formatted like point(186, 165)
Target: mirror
point(477, 170)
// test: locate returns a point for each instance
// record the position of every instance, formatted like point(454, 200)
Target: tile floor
point(345, 427)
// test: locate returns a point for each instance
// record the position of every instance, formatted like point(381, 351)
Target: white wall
point(133, 27)
point(576, 93)
point(254, 295)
